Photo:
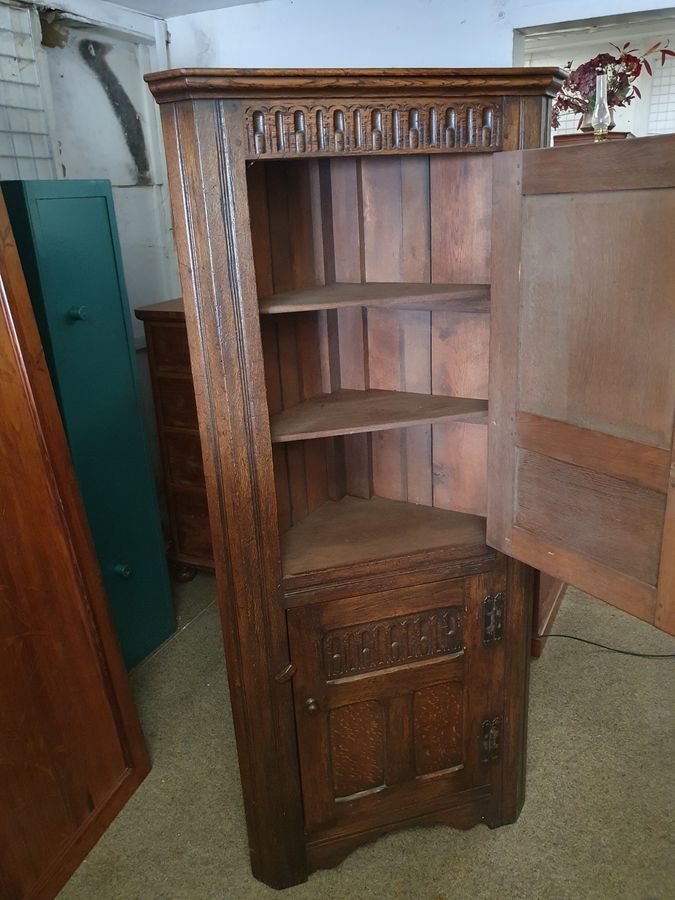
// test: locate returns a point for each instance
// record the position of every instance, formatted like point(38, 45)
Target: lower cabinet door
point(398, 702)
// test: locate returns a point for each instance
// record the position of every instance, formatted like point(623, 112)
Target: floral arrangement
point(577, 93)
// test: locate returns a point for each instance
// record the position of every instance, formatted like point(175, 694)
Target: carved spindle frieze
point(471, 126)
point(357, 143)
point(450, 127)
point(339, 129)
point(392, 642)
point(433, 127)
point(299, 131)
point(486, 131)
point(396, 129)
point(259, 131)
point(414, 129)
point(320, 133)
point(373, 128)
point(376, 131)
point(460, 133)
point(281, 137)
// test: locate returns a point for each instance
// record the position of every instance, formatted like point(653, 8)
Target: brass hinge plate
point(493, 618)
point(490, 739)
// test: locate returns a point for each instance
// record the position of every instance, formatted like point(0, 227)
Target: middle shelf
point(352, 412)
point(472, 298)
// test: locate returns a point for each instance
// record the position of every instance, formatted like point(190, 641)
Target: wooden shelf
point(165, 311)
point(351, 412)
point(353, 532)
point(463, 297)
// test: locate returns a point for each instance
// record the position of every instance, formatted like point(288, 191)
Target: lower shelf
point(355, 532)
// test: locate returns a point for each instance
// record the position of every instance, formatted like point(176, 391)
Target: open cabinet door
point(71, 748)
point(582, 359)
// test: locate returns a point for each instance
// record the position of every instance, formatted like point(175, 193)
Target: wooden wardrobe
point(402, 336)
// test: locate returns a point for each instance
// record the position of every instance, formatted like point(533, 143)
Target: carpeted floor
point(597, 823)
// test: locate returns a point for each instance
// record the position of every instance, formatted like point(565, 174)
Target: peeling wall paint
point(94, 55)
point(105, 127)
point(54, 29)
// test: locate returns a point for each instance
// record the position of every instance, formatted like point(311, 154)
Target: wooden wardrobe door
point(71, 746)
point(393, 691)
point(582, 360)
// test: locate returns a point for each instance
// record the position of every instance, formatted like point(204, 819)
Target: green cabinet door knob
point(123, 570)
point(77, 313)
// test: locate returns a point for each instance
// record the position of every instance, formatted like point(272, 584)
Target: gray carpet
point(597, 823)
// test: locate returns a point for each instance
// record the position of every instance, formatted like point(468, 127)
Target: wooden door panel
point(357, 743)
point(385, 751)
point(438, 727)
point(597, 308)
point(391, 689)
point(585, 502)
point(71, 746)
point(630, 461)
point(583, 369)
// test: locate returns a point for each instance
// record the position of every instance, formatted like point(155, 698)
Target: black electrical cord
point(572, 637)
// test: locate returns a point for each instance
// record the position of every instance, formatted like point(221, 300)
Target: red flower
point(577, 93)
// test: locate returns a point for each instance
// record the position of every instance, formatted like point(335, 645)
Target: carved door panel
point(582, 369)
point(392, 691)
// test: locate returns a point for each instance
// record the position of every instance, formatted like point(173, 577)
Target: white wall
point(86, 138)
point(372, 33)
point(89, 142)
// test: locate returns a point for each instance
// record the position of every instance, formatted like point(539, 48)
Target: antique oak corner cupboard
point(401, 336)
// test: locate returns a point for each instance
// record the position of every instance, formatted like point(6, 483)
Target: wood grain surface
point(464, 297)
point(349, 412)
point(343, 533)
point(71, 745)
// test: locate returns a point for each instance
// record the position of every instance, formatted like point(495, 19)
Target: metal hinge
point(490, 739)
point(493, 618)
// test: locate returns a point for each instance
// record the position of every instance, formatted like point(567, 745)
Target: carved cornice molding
point(238, 84)
point(371, 126)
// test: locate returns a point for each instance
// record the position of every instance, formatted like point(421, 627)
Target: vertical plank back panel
point(347, 327)
point(460, 354)
point(460, 467)
point(288, 232)
point(390, 219)
point(396, 247)
point(256, 181)
point(461, 219)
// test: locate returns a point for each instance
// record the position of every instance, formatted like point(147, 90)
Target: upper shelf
point(463, 297)
point(352, 412)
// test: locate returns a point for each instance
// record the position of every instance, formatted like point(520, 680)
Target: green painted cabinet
point(67, 238)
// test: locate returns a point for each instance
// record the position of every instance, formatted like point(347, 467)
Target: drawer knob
point(77, 313)
point(122, 570)
point(311, 706)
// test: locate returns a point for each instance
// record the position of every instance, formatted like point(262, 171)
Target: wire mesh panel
point(25, 150)
point(662, 102)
